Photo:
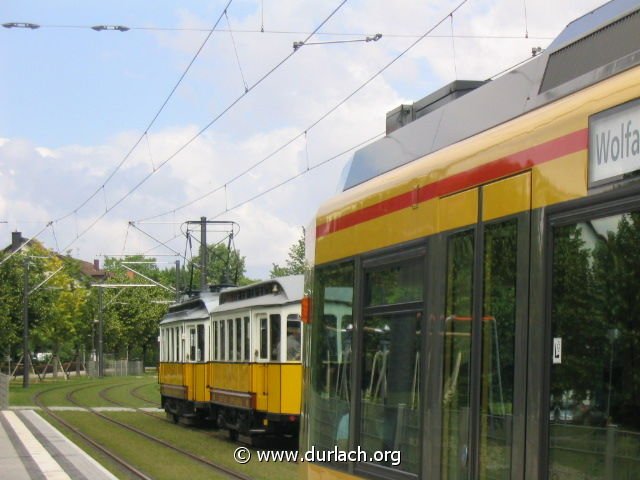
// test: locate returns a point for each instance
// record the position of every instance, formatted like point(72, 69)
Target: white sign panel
point(557, 350)
point(614, 142)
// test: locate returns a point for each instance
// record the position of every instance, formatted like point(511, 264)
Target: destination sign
point(614, 142)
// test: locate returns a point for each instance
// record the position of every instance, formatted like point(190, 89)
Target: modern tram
point(233, 358)
point(476, 285)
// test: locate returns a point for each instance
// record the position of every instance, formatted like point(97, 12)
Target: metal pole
point(203, 254)
point(177, 280)
point(100, 349)
point(26, 358)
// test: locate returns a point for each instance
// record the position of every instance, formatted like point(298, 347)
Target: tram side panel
point(172, 380)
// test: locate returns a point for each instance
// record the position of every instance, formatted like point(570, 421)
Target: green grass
point(122, 395)
point(56, 391)
point(157, 461)
point(216, 448)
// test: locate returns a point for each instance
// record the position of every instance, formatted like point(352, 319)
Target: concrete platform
point(32, 449)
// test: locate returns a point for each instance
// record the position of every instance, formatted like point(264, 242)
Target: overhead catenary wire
point(200, 132)
point(302, 32)
point(304, 172)
point(153, 120)
point(235, 49)
point(312, 125)
point(29, 240)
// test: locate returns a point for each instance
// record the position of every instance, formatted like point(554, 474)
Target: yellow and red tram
point(485, 258)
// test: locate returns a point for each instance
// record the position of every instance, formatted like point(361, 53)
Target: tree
point(132, 314)
point(41, 263)
point(224, 266)
point(67, 317)
point(295, 263)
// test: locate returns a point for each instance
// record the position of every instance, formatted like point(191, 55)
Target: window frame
point(607, 203)
point(377, 261)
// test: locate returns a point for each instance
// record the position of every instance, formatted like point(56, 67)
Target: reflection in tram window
point(264, 350)
point(457, 352)
point(274, 326)
point(293, 337)
point(200, 356)
point(239, 339)
point(222, 341)
point(595, 374)
point(247, 337)
point(390, 418)
point(330, 359)
point(498, 349)
point(230, 338)
point(192, 344)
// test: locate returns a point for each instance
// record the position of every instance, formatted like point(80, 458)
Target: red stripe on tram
point(558, 147)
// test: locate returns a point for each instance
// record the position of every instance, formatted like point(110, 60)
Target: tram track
point(217, 467)
point(135, 393)
point(121, 462)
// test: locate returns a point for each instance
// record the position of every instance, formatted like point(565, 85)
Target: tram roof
point(275, 291)
point(591, 48)
point(195, 308)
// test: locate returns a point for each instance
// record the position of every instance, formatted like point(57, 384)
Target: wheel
point(233, 435)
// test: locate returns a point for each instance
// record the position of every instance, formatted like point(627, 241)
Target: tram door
point(594, 397)
point(484, 318)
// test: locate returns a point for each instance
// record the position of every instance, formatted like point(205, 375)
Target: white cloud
point(290, 101)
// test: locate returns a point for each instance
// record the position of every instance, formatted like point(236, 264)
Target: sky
point(110, 140)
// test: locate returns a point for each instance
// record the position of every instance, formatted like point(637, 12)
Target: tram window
point(274, 326)
point(498, 349)
point(238, 339)
point(230, 338)
point(293, 337)
point(222, 341)
point(397, 284)
point(595, 319)
point(390, 396)
point(201, 342)
point(264, 349)
point(214, 350)
point(330, 358)
point(176, 340)
point(457, 352)
point(167, 335)
point(247, 337)
point(163, 346)
point(192, 344)
point(172, 340)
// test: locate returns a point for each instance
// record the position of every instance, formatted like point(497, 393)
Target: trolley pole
point(203, 254)
point(26, 358)
point(177, 280)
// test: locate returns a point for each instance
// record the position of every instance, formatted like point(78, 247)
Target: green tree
point(224, 266)
point(67, 317)
point(41, 263)
point(295, 264)
point(132, 314)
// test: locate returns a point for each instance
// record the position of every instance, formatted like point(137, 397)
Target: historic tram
point(233, 358)
point(476, 290)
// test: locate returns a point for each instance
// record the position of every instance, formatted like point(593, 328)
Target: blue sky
point(75, 101)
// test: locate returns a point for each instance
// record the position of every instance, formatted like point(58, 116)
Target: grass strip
point(155, 460)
